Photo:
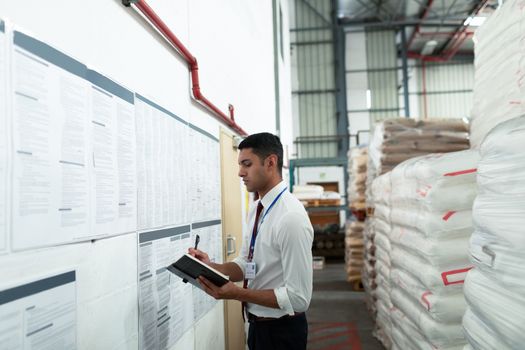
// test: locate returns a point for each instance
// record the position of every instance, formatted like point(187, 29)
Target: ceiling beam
point(406, 22)
point(473, 11)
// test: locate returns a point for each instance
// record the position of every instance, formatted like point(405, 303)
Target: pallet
point(359, 214)
point(321, 202)
point(356, 282)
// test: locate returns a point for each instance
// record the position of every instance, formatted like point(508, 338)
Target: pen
point(197, 239)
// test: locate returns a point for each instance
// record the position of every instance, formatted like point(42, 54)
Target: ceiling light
point(429, 47)
point(474, 21)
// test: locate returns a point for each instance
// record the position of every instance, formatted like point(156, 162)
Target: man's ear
point(272, 160)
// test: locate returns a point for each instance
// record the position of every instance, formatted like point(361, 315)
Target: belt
point(253, 318)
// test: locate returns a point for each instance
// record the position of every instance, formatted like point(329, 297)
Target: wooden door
point(232, 234)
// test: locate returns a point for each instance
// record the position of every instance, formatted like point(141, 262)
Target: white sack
point(438, 334)
point(438, 252)
point(500, 309)
point(445, 280)
point(495, 288)
point(413, 337)
point(448, 307)
point(434, 224)
point(480, 336)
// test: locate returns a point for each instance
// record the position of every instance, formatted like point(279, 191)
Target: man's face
point(252, 170)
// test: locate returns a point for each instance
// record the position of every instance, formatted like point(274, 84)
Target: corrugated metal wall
point(448, 90)
point(314, 85)
point(381, 54)
point(448, 84)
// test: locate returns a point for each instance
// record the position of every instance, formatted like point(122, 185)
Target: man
point(275, 261)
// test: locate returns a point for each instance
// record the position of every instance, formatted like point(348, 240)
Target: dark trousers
point(286, 333)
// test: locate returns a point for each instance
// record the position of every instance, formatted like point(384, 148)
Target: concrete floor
point(338, 318)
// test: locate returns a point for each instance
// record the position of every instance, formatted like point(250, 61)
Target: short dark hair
point(264, 144)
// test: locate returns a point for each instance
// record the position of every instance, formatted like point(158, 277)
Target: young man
point(275, 261)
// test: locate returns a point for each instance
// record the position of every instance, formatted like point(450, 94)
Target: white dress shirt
point(283, 253)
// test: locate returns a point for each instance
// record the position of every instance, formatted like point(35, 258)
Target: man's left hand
point(227, 291)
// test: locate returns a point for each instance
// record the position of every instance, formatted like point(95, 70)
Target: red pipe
point(418, 26)
point(458, 39)
point(447, 34)
point(424, 78)
point(157, 22)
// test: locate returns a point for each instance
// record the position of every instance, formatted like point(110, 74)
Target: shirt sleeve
point(295, 236)
point(242, 259)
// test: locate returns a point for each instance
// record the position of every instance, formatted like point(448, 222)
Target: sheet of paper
point(40, 314)
point(114, 156)
point(205, 176)
point(162, 181)
point(210, 235)
point(3, 138)
point(165, 302)
point(51, 184)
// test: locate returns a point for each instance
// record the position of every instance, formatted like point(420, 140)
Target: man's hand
point(227, 291)
point(202, 256)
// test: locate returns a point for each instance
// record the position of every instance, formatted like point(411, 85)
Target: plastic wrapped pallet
point(494, 288)
point(498, 70)
point(431, 201)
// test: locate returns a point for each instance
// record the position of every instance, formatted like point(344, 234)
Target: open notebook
point(190, 268)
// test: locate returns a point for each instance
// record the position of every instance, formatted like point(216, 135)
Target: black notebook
point(190, 268)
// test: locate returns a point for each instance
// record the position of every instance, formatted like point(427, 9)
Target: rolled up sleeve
point(295, 238)
point(241, 262)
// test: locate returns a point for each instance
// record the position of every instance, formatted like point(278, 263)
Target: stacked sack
point(397, 140)
point(499, 92)
point(354, 243)
point(495, 287)
point(381, 188)
point(354, 250)
point(431, 224)
point(357, 161)
point(368, 273)
point(394, 141)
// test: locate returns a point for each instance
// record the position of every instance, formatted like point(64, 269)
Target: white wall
point(305, 175)
point(448, 90)
point(357, 85)
point(232, 41)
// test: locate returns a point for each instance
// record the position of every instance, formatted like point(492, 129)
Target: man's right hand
point(202, 256)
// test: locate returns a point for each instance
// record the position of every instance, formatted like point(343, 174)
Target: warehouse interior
point(121, 132)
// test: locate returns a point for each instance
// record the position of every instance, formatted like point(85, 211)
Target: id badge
point(250, 271)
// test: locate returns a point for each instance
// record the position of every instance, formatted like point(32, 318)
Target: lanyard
point(254, 235)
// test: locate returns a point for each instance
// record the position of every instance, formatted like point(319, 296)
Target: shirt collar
point(274, 192)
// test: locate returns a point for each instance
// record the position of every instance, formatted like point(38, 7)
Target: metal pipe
point(424, 94)
point(363, 25)
point(404, 60)
point(159, 24)
point(277, 30)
